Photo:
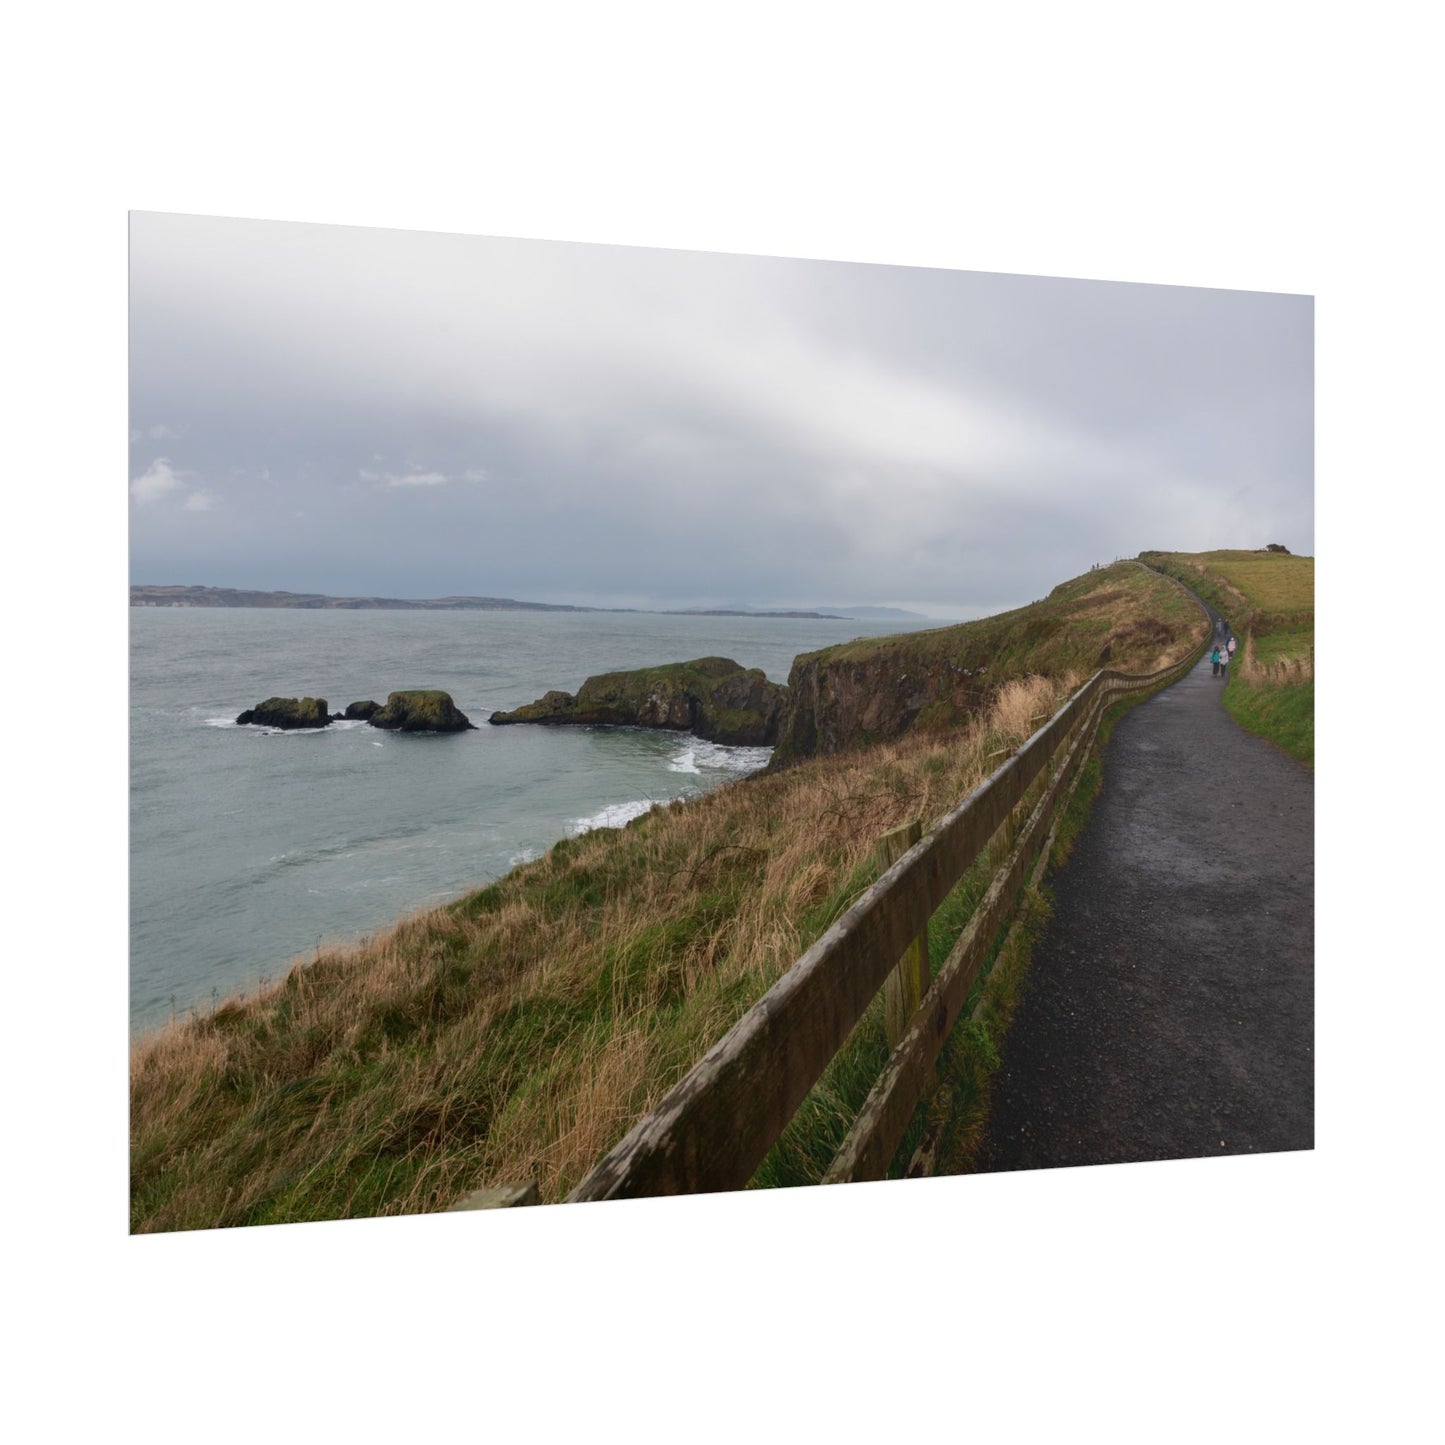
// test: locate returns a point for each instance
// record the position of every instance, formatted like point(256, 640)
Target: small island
point(287, 713)
point(714, 697)
point(422, 710)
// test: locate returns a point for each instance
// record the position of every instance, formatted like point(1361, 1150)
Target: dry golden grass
point(518, 1032)
point(1282, 671)
point(1023, 703)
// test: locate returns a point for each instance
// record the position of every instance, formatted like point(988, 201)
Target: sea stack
point(422, 710)
point(287, 713)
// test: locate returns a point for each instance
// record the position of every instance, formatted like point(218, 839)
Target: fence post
point(904, 988)
point(1002, 842)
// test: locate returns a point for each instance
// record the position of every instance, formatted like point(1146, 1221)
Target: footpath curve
point(1169, 1009)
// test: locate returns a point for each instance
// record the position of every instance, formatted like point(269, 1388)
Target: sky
point(383, 412)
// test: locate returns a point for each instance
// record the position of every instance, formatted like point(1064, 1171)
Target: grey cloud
point(457, 414)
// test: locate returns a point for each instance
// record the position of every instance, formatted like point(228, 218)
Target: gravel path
point(1169, 1011)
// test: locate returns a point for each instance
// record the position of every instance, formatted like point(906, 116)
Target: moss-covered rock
point(361, 711)
point(288, 712)
point(421, 710)
point(714, 697)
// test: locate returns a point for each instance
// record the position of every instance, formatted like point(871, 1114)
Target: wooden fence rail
point(717, 1124)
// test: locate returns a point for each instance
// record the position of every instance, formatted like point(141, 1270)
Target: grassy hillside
point(519, 1031)
point(1118, 616)
point(1269, 601)
point(859, 693)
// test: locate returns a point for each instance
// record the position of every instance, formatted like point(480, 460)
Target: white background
point(1270, 147)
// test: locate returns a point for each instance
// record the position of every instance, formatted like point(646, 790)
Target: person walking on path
point(1214, 658)
point(1231, 644)
point(1224, 665)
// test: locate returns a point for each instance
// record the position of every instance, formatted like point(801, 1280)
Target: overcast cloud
point(384, 412)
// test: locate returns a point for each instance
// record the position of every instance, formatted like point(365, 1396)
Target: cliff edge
point(867, 691)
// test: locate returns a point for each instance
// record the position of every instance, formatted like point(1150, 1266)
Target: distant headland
point(173, 596)
point(195, 596)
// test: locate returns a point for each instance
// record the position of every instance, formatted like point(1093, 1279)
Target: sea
point(252, 847)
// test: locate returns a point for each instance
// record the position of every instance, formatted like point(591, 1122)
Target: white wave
point(615, 815)
point(720, 757)
point(523, 855)
point(696, 756)
point(336, 725)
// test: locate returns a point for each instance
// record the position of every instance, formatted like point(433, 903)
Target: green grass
point(1284, 644)
point(1284, 714)
point(1272, 583)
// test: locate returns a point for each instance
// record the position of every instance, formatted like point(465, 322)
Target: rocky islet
point(287, 713)
point(714, 698)
point(413, 710)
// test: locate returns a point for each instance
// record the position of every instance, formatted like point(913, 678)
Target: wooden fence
point(716, 1125)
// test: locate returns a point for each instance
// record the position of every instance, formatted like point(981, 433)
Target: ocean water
point(249, 846)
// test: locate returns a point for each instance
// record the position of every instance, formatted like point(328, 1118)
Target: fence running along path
point(717, 1124)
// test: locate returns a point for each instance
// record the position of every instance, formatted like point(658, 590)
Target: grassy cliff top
point(1275, 582)
point(700, 672)
point(1268, 597)
point(1113, 606)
